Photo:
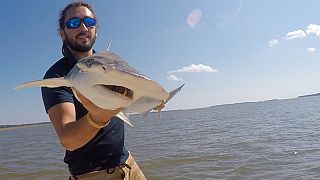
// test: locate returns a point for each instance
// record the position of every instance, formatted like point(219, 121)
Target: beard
point(79, 47)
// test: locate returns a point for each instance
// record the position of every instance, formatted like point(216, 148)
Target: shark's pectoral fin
point(124, 118)
point(51, 83)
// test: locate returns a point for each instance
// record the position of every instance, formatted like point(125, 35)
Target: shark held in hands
point(110, 83)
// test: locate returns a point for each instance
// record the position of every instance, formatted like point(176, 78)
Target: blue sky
point(224, 51)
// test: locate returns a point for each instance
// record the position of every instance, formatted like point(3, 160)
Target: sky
point(224, 51)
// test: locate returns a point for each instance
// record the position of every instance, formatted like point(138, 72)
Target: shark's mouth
point(119, 89)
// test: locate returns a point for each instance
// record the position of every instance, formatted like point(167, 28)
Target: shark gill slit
point(119, 89)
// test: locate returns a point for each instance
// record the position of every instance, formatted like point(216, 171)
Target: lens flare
point(194, 17)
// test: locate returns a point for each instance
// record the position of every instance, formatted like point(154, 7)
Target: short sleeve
point(54, 96)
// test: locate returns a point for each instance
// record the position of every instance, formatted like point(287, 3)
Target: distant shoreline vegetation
point(317, 94)
point(21, 125)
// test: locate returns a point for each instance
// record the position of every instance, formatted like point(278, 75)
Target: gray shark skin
point(110, 83)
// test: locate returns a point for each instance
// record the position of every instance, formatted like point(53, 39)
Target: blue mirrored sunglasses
point(75, 22)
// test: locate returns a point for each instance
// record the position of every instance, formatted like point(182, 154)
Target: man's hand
point(97, 114)
point(161, 106)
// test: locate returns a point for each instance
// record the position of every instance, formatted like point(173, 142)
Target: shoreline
point(309, 95)
point(16, 126)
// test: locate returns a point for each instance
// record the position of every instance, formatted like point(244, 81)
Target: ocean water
point(278, 139)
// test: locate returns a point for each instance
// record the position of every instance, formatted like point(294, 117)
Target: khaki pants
point(129, 171)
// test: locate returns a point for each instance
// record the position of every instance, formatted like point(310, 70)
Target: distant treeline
point(22, 125)
point(317, 94)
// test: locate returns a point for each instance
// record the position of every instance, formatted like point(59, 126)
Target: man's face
point(80, 39)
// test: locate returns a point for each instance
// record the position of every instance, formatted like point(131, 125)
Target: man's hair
point(63, 13)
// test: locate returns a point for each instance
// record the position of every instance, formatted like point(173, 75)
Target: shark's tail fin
point(52, 82)
point(174, 92)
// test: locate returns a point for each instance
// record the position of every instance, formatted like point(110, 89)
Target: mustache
point(83, 34)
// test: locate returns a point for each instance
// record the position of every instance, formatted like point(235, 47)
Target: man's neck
point(79, 55)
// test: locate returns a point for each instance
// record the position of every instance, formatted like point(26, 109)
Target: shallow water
point(277, 139)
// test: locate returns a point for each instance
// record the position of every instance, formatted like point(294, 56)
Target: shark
point(109, 82)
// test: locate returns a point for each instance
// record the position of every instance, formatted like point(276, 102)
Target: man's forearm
point(77, 133)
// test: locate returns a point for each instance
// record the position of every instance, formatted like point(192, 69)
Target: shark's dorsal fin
point(109, 45)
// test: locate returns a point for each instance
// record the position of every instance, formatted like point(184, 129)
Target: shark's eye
point(103, 68)
point(89, 62)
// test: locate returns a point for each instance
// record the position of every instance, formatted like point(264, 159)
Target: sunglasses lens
point(89, 22)
point(73, 23)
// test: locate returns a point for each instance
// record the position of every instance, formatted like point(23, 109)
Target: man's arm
point(75, 134)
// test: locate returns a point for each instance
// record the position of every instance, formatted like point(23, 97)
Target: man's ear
point(63, 37)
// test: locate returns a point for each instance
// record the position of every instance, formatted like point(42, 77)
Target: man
point(93, 137)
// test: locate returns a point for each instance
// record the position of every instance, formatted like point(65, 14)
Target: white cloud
point(174, 78)
point(273, 42)
point(193, 68)
point(311, 50)
point(194, 17)
point(296, 34)
point(313, 29)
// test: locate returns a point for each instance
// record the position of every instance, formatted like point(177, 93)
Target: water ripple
point(277, 139)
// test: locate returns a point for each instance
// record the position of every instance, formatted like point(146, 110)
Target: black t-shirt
point(106, 149)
